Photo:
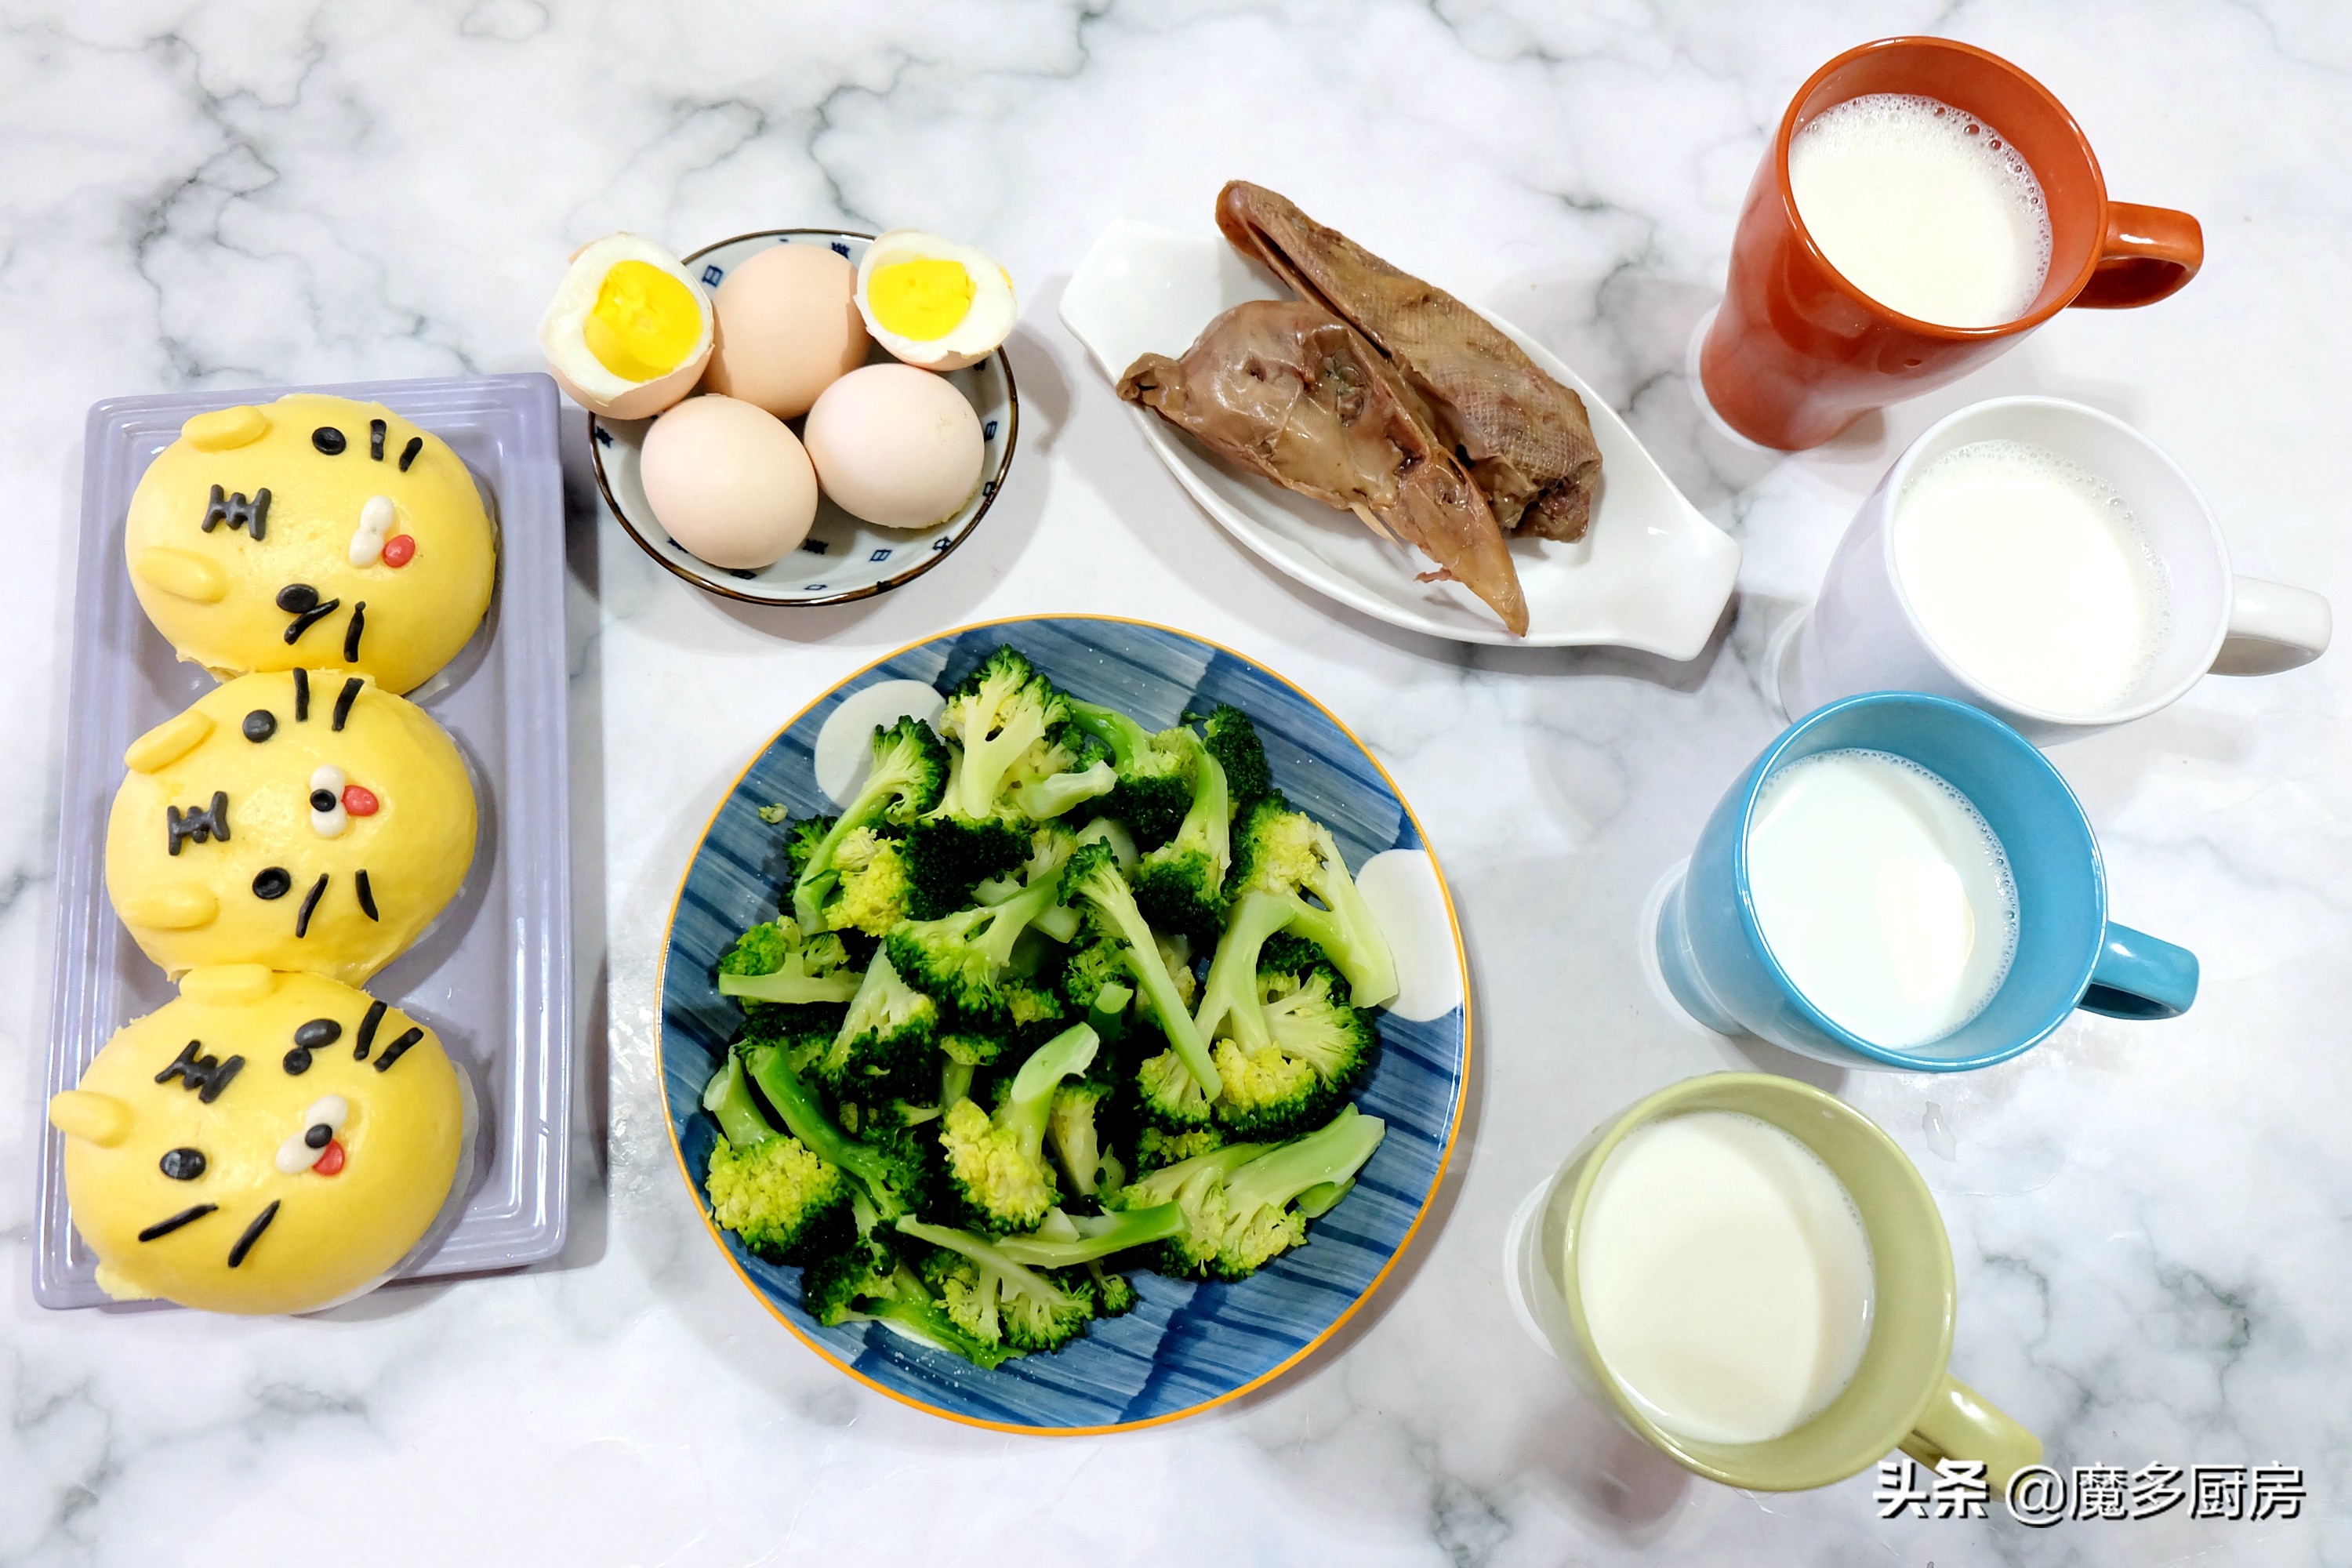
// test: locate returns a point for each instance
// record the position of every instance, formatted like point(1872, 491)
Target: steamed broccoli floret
point(1181, 886)
point(866, 1279)
point(1232, 740)
point(1238, 1201)
point(875, 889)
point(1280, 850)
point(995, 715)
point(997, 1163)
point(961, 959)
point(946, 857)
point(1196, 1185)
point(1319, 1050)
point(1033, 1013)
point(1098, 959)
point(772, 963)
point(1115, 1294)
point(805, 837)
point(1060, 772)
point(892, 1164)
point(1155, 773)
point(907, 776)
point(886, 1043)
point(1230, 1003)
point(1157, 1148)
point(1092, 876)
point(1171, 1096)
point(787, 1204)
point(998, 1301)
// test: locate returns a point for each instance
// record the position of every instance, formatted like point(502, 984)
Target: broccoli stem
point(1331, 1155)
point(1209, 825)
point(924, 1318)
point(1107, 1016)
point(1127, 738)
point(729, 1098)
point(1363, 952)
point(785, 985)
point(772, 1071)
point(1109, 892)
point(1098, 1237)
point(1231, 993)
point(988, 1255)
point(1029, 1103)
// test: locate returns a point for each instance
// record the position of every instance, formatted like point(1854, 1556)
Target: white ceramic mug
point(1863, 634)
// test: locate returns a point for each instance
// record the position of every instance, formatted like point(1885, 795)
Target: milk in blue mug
point(1903, 882)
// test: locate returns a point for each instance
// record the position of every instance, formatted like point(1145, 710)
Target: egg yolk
point(644, 323)
point(920, 299)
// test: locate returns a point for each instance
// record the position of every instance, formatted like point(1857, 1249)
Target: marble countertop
point(2149, 1219)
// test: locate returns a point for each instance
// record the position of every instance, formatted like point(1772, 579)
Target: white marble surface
point(2150, 1219)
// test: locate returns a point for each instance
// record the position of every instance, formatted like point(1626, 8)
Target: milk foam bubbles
point(2031, 573)
point(1924, 207)
point(1725, 1276)
point(1882, 894)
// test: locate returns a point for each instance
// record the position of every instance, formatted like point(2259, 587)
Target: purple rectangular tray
point(493, 977)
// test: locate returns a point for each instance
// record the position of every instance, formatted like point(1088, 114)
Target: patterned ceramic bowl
point(842, 558)
point(1187, 1346)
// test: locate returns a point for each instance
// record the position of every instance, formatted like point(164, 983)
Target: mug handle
point(2146, 254)
point(1962, 1423)
point(2139, 976)
point(2272, 627)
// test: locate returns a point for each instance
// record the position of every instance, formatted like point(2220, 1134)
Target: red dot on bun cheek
point(359, 800)
point(330, 1158)
point(399, 550)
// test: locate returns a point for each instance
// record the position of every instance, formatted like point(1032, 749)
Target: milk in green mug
point(1751, 1277)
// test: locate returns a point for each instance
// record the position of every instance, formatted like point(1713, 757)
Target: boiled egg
point(932, 302)
point(730, 481)
point(629, 330)
point(897, 447)
point(786, 327)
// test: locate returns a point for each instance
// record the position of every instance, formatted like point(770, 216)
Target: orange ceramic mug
point(1796, 352)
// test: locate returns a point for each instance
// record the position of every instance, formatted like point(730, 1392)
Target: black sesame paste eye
point(272, 882)
point(259, 725)
point(327, 439)
point(297, 1062)
point(316, 1033)
point(297, 597)
point(184, 1165)
point(322, 800)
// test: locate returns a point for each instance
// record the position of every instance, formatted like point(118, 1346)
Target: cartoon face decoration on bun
point(312, 530)
point(263, 1143)
point(307, 820)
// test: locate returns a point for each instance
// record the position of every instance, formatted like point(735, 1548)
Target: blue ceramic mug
point(2069, 955)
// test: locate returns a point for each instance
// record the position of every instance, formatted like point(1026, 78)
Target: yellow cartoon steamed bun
point(263, 1143)
point(312, 530)
point(305, 819)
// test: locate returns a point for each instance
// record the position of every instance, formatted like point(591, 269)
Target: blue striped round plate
point(1187, 1346)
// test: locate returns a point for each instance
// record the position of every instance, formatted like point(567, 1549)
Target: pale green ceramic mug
point(1901, 1396)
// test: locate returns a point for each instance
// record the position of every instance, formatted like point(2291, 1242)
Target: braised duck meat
point(1527, 438)
point(1285, 389)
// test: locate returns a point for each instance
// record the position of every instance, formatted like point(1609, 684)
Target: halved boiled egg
point(932, 302)
point(629, 330)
